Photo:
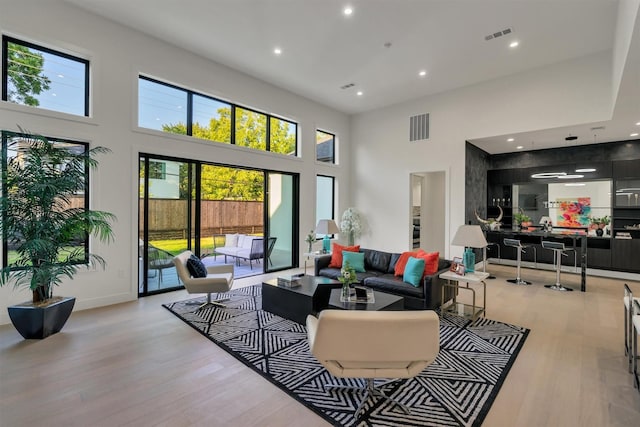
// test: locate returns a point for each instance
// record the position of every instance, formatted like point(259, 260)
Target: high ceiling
point(382, 46)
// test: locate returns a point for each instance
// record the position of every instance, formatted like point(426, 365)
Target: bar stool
point(635, 319)
point(520, 248)
point(628, 301)
point(497, 245)
point(559, 250)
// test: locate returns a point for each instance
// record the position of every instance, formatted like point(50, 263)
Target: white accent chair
point(219, 279)
point(374, 344)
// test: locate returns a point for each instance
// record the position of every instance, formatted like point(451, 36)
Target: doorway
point(428, 211)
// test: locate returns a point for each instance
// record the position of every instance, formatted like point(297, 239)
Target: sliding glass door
point(192, 205)
point(281, 220)
point(166, 212)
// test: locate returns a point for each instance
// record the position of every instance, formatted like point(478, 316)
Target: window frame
point(5, 71)
point(333, 147)
point(6, 136)
point(233, 117)
point(333, 201)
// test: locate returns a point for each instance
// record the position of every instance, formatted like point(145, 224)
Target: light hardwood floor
point(136, 364)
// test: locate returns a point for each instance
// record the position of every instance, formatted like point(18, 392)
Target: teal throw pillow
point(355, 260)
point(413, 271)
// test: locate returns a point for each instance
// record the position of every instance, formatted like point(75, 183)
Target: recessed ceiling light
point(422, 73)
point(519, 147)
point(570, 176)
point(586, 170)
point(634, 134)
point(544, 175)
point(359, 93)
point(347, 10)
point(513, 44)
point(510, 140)
point(638, 124)
point(277, 51)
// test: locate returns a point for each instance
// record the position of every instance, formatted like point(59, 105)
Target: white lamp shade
point(327, 226)
point(469, 236)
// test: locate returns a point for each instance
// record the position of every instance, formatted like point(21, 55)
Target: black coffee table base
point(297, 303)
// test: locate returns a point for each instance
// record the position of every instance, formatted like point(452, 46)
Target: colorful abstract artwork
point(574, 212)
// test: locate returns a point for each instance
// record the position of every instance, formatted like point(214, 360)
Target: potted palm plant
point(44, 231)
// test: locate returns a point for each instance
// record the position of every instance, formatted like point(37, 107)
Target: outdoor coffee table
point(295, 303)
point(382, 301)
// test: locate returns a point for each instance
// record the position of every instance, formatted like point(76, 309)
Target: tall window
point(171, 109)
point(39, 77)
point(13, 154)
point(325, 197)
point(325, 147)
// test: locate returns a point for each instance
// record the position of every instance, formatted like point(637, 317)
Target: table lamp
point(469, 236)
point(326, 227)
point(545, 221)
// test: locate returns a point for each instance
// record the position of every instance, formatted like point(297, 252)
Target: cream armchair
point(219, 279)
point(374, 344)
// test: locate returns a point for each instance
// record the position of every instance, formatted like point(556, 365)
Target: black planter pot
point(40, 322)
point(599, 232)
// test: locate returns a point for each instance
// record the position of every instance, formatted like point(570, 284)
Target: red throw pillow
point(402, 262)
point(336, 254)
point(430, 262)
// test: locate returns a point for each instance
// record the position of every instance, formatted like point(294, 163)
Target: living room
point(374, 159)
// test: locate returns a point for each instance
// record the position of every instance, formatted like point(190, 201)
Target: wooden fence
point(168, 218)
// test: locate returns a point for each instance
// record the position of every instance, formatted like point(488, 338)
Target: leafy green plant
point(47, 233)
point(520, 217)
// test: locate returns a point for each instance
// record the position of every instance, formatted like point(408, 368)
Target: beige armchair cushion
point(374, 344)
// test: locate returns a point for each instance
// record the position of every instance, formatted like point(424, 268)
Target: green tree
point(26, 78)
point(224, 183)
point(283, 138)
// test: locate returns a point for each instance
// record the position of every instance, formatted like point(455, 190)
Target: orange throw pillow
point(430, 262)
point(336, 254)
point(402, 262)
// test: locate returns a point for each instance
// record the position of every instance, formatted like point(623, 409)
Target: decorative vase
point(310, 247)
point(345, 291)
point(599, 232)
point(350, 238)
point(469, 259)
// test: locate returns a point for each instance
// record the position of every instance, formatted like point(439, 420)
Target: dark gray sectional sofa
point(379, 276)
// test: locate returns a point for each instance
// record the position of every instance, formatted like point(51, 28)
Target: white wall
point(571, 92)
point(117, 56)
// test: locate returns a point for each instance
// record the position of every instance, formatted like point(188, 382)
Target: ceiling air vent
point(498, 34)
point(347, 86)
point(419, 127)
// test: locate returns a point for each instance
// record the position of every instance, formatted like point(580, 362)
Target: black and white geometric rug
point(457, 389)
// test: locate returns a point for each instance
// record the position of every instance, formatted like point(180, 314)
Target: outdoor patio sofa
point(242, 246)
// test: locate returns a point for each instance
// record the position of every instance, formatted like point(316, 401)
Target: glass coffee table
point(381, 301)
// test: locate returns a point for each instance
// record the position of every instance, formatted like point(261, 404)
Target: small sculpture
point(492, 224)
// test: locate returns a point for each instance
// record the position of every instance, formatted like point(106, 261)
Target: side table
point(311, 256)
point(453, 280)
